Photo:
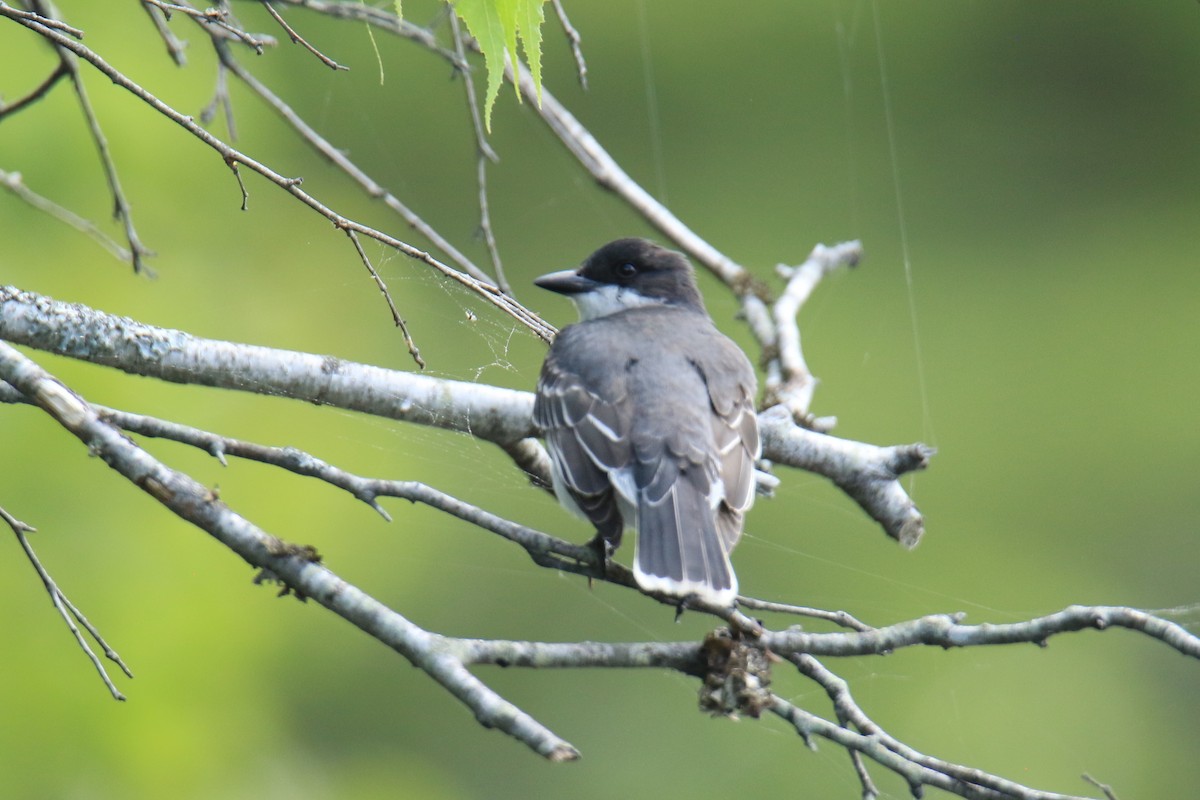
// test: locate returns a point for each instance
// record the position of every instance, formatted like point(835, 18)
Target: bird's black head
point(625, 274)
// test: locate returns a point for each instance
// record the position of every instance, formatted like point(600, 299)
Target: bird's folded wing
point(588, 440)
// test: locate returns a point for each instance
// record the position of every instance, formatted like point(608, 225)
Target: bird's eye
point(626, 270)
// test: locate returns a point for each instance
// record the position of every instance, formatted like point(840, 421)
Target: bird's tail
point(679, 550)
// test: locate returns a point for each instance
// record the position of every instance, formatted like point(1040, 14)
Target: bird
point(648, 415)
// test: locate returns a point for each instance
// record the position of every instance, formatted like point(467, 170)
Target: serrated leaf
point(399, 11)
point(497, 25)
point(482, 19)
point(530, 16)
point(507, 9)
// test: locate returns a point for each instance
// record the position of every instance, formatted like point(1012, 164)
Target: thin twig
point(121, 210)
point(39, 18)
point(808, 725)
point(175, 45)
point(485, 225)
point(544, 549)
point(67, 610)
point(850, 713)
point(218, 18)
point(300, 40)
point(237, 174)
point(400, 323)
point(789, 380)
point(292, 185)
point(342, 162)
point(13, 182)
point(609, 175)
point(221, 100)
point(485, 154)
point(1104, 787)
point(575, 40)
point(842, 618)
point(36, 94)
point(380, 18)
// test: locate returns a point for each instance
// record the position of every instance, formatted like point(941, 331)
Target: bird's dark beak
point(566, 282)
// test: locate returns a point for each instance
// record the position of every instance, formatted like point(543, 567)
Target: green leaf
point(530, 16)
point(483, 21)
point(498, 25)
point(399, 11)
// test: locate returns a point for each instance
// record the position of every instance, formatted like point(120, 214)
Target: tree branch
point(502, 416)
point(726, 689)
point(963, 781)
point(297, 566)
point(947, 630)
point(496, 415)
point(789, 381)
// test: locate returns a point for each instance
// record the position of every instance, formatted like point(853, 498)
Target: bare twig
point(380, 18)
point(916, 767)
point(300, 40)
point(789, 380)
point(609, 174)
point(37, 93)
point(67, 610)
point(175, 46)
point(842, 618)
point(12, 182)
point(400, 323)
point(218, 18)
point(137, 251)
point(1104, 787)
point(38, 17)
point(485, 153)
point(967, 782)
point(342, 162)
point(575, 40)
point(65, 47)
point(544, 549)
point(221, 100)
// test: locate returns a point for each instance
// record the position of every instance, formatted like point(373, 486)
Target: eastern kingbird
point(648, 413)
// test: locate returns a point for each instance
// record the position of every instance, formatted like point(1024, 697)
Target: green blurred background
point(1045, 339)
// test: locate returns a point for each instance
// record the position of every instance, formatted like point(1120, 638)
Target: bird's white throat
point(609, 299)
